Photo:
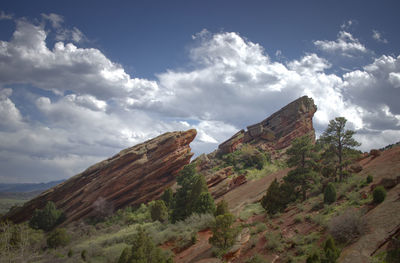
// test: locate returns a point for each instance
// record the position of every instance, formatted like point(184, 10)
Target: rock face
point(277, 131)
point(133, 176)
point(273, 135)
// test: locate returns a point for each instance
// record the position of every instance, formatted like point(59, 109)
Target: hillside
point(239, 172)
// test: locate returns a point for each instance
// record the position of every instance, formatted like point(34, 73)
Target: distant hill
point(25, 187)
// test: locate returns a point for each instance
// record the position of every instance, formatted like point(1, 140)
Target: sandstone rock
point(277, 131)
point(135, 175)
point(356, 168)
point(374, 153)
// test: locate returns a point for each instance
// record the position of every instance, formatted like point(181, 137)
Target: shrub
point(84, 255)
point(47, 218)
point(313, 258)
point(222, 208)
point(58, 238)
point(331, 252)
point(224, 233)
point(329, 194)
point(379, 194)
point(159, 211)
point(256, 259)
point(369, 179)
point(274, 241)
point(347, 226)
point(70, 253)
point(143, 250)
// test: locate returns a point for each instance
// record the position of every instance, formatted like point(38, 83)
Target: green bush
point(313, 258)
point(256, 259)
point(84, 255)
point(331, 252)
point(329, 194)
point(379, 194)
point(159, 211)
point(47, 218)
point(143, 250)
point(275, 200)
point(224, 233)
point(369, 179)
point(58, 238)
point(222, 208)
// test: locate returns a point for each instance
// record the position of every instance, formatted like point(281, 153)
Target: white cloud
point(5, 16)
point(378, 36)
point(394, 78)
point(55, 20)
point(97, 108)
point(345, 44)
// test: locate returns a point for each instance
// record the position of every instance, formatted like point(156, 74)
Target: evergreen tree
point(340, 141)
point(273, 200)
point(205, 204)
point(224, 233)
point(301, 156)
point(159, 211)
point(329, 194)
point(187, 199)
point(168, 197)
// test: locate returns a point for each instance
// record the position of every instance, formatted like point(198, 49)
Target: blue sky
point(80, 81)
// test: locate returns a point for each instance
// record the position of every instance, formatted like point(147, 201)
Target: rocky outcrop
point(277, 131)
point(135, 175)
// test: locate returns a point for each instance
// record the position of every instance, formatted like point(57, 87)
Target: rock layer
point(277, 131)
point(133, 176)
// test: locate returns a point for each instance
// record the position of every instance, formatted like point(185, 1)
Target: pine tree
point(301, 156)
point(168, 197)
point(329, 194)
point(224, 233)
point(272, 201)
point(340, 140)
point(205, 204)
point(187, 198)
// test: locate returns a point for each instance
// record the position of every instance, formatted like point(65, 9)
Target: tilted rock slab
point(279, 130)
point(135, 175)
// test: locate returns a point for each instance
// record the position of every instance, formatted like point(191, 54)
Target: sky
point(82, 80)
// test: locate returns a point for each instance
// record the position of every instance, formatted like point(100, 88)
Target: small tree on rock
point(379, 194)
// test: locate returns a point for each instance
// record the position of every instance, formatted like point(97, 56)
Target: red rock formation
point(277, 131)
point(133, 176)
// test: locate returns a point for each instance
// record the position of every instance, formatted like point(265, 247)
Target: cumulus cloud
point(93, 108)
point(345, 44)
point(378, 36)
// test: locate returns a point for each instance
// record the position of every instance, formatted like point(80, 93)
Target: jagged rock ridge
point(135, 175)
point(277, 131)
